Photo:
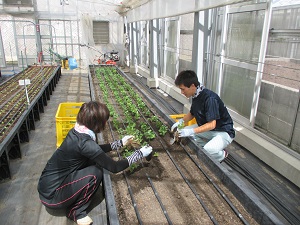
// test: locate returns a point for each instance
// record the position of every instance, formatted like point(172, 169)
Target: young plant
point(144, 127)
point(133, 143)
point(181, 125)
point(133, 166)
point(146, 112)
point(149, 135)
point(163, 130)
point(128, 152)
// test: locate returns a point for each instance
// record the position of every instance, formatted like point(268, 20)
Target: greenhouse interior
point(129, 58)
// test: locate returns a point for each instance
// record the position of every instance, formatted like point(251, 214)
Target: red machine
point(109, 58)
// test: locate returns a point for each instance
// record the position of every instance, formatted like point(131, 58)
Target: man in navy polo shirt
point(214, 129)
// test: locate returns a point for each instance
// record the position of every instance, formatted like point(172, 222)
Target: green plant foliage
point(181, 125)
point(149, 135)
point(131, 107)
point(163, 130)
point(132, 167)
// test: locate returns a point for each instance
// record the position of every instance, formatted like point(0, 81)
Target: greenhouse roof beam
point(166, 8)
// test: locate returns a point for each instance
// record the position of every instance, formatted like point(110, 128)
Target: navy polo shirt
point(208, 106)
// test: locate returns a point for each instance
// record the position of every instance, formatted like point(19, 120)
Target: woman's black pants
point(75, 193)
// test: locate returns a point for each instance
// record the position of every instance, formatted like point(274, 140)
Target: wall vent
point(17, 2)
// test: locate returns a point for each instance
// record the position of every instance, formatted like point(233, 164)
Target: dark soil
point(180, 202)
point(159, 180)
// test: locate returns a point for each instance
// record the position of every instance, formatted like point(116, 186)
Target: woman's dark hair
point(187, 78)
point(93, 115)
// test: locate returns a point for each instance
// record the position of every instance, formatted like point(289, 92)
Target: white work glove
point(176, 124)
point(139, 154)
point(146, 150)
point(186, 132)
point(126, 139)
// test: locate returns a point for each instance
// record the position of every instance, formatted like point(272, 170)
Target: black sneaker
point(226, 155)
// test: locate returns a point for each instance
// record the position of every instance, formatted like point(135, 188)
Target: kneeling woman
point(74, 172)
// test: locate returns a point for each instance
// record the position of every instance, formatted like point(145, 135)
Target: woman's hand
point(146, 150)
point(139, 154)
point(126, 139)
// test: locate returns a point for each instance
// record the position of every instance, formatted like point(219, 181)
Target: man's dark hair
point(187, 78)
point(93, 115)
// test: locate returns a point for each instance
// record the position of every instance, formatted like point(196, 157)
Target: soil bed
point(161, 175)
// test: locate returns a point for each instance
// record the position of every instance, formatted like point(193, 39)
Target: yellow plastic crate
point(65, 119)
point(65, 63)
point(179, 116)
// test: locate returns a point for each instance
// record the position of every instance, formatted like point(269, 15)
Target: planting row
point(135, 117)
point(15, 97)
point(167, 189)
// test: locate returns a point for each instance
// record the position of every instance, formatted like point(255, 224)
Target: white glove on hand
point(139, 154)
point(146, 150)
point(186, 132)
point(176, 124)
point(126, 139)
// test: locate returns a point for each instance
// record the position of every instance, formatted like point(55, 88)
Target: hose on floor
point(287, 213)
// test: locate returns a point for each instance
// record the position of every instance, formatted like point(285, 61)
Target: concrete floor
point(19, 201)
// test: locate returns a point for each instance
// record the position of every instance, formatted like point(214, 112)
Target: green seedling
point(163, 130)
point(149, 135)
point(181, 125)
point(132, 167)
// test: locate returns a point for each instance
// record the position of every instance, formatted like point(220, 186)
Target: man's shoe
point(85, 221)
point(226, 155)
